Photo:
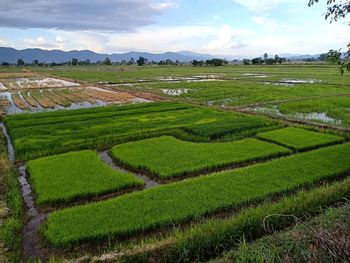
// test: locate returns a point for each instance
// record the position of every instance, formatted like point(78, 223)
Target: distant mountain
point(11, 55)
point(299, 56)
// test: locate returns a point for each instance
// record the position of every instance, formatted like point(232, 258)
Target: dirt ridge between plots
point(30, 244)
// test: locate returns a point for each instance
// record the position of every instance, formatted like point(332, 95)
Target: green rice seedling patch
point(300, 139)
point(67, 177)
point(169, 157)
point(103, 127)
point(193, 198)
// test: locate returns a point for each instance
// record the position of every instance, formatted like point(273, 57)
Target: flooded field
point(37, 100)
point(35, 83)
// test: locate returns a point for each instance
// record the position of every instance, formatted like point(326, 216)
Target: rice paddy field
point(165, 163)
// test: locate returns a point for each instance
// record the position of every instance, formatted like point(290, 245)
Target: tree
point(337, 10)
point(197, 63)
point(266, 57)
point(215, 62)
point(20, 62)
point(35, 62)
point(131, 61)
point(333, 57)
point(75, 61)
point(141, 61)
point(107, 61)
point(257, 61)
point(270, 61)
point(322, 57)
point(246, 61)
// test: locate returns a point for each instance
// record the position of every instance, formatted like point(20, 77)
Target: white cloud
point(4, 42)
point(226, 39)
point(261, 6)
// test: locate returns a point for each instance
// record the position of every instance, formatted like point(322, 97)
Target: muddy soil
point(31, 248)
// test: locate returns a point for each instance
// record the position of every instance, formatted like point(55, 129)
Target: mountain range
point(11, 55)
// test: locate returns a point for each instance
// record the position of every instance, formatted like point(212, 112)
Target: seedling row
point(103, 127)
point(193, 198)
point(167, 157)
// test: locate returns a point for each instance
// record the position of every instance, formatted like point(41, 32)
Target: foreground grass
point(169, 157)
point(209, 238)
point(193, 198)
point(299, 139)
point(323, 239)
point(103, 127)
point(11, 208)
point(66, 177)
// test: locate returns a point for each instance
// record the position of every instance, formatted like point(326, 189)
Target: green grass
point(299, 139)
point(67, 177)
point(169, 157)
point(10, 198)
point(322, 239)
point(325, 72)
point(208, 239)
point(103, 127)
point(193, 198)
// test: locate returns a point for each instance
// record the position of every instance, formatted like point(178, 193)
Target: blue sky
point(220, 27)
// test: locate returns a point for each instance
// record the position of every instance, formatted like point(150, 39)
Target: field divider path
point(106, 158)
point(30, 241)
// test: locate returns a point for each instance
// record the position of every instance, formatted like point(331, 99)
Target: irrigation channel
point(30, 244)
point(149, 183)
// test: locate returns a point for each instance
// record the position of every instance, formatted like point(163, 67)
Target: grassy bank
point(11, 208)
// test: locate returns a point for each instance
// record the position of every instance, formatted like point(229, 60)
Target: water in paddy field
point(149, 183)
point(174, 92)
point(255, 75)
point(30, 230)
point(285, 84)
point(318, 116)
point(44, 83)
point(12, 108)
point(11, 151)
point(274, 110)
point(301, 81)
point(2, 86)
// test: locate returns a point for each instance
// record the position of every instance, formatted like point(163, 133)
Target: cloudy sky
point(220, 27)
